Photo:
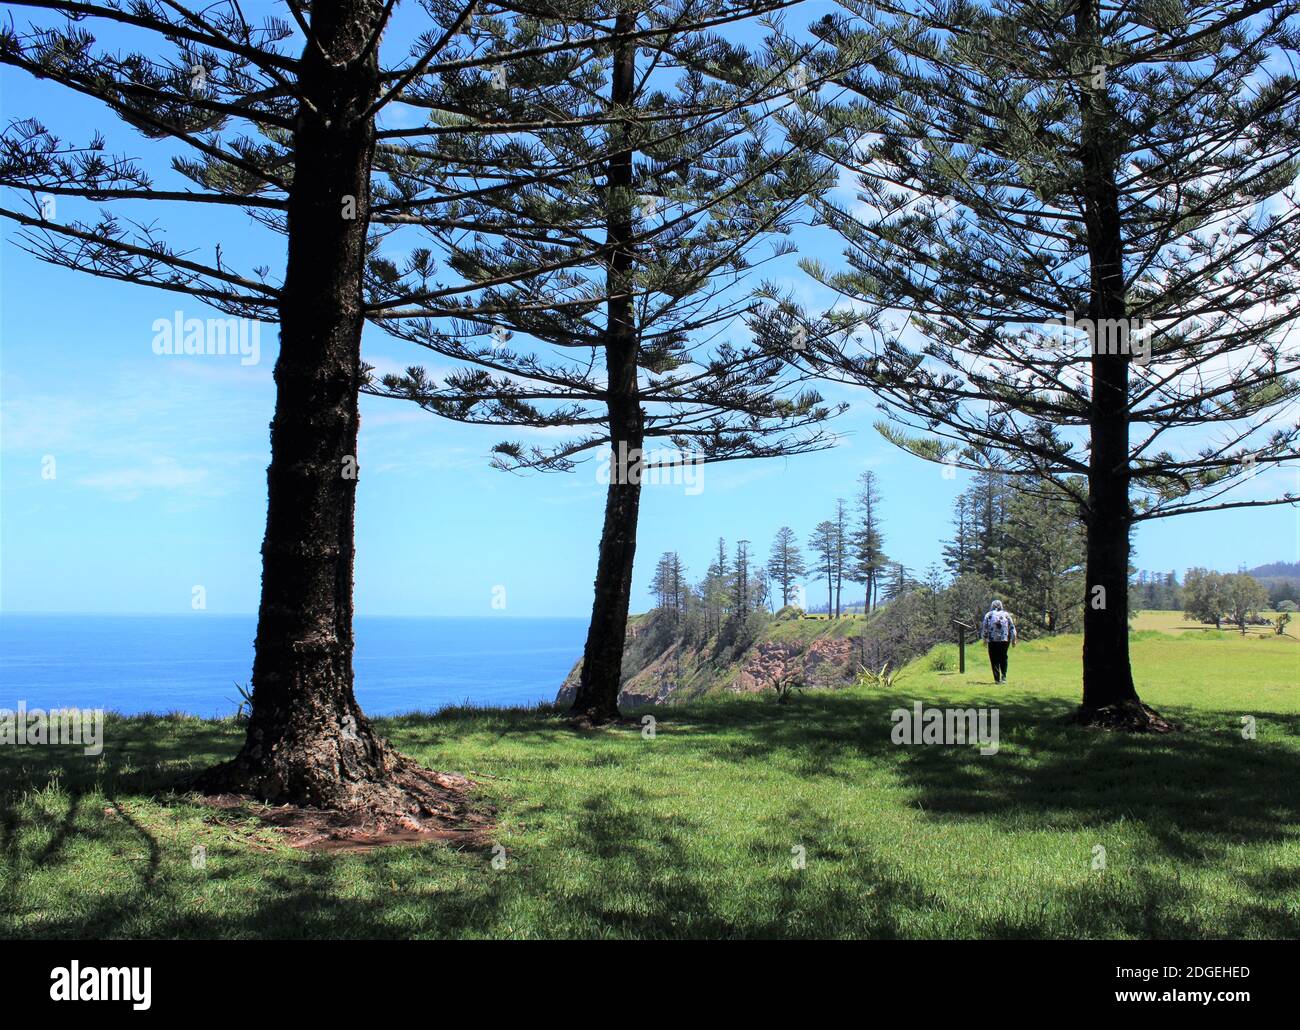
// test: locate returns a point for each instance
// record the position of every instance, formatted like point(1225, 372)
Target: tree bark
point(1109, 696)
point(602, 661)
point(308, 741)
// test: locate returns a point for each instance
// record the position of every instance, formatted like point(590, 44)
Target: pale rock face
point(826, 662)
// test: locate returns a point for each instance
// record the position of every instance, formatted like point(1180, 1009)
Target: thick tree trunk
point(1107, 675)
point(1109, 696)
point(308, 741)
point(602, 659)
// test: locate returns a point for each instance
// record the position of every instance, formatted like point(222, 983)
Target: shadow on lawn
point(1207, 780)
point(644, 871)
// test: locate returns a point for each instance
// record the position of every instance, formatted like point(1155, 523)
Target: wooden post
point(961, 645)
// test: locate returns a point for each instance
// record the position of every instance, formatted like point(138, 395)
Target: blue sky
point(160, 461)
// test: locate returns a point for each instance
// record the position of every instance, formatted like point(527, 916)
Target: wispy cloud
point(178, 428)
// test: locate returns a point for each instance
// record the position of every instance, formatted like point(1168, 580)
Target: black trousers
point(998, 658)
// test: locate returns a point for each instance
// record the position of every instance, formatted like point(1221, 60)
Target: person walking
point(999, 629)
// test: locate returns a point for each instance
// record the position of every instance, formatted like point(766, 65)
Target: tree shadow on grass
point(657, 884)
point(1207, 779)
point(1206, 782)
point(648, 873)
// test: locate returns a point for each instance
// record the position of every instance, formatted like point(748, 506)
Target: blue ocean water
point(191, 663)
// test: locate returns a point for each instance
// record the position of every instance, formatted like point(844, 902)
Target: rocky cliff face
point(660, 666)
point(823, 659)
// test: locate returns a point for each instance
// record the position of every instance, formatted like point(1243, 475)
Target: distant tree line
point(1019, 541)
point(1156, 591)
point(1025, 540)
point(1282, 581)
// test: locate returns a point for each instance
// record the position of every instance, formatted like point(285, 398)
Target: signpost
point(962, 627)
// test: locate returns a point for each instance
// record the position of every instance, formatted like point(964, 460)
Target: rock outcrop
point(660, 666)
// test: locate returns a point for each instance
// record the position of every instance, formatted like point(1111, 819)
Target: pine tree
point(824, 543)
point(680, 587)
point(716, 589)
point(959, 552)
point(933, 588)
point(988, 498)
point(297, 144)
point(868, 553)
point(740, 581)
point(761, 589)
point(842, 542)
point(900, 581)
point(626, 266)
point(661, 584)
point(1044, 549)
point(1087, 219)
point(785, 563)
point(669, 586)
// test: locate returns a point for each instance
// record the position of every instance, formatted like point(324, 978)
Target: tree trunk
point(602, 659)
point(1109, 696)
point(308, 741)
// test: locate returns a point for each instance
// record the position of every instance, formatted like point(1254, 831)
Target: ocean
point(191, 663)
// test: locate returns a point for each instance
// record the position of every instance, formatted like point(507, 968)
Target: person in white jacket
point(999, 630)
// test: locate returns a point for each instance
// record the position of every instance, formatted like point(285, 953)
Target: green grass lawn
point(609, 834)
point(1175, 622)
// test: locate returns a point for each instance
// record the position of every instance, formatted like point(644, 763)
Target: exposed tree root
point(592, 720)
point(1126, 716)
point(402, 803)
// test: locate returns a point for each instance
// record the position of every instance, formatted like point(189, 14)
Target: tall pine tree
point(281, 119)
point(1086, 215)
point(676, 159)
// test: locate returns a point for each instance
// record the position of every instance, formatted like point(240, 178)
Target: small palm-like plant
point(245, 710)
point(884, 678)
point(785, 686)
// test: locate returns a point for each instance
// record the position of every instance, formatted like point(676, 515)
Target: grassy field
point(696, 832)
point(1174, 622)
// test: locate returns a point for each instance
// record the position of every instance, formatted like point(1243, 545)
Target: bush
point(943, 658)
point(884, 678)
point(785, 686)
point(899, 632)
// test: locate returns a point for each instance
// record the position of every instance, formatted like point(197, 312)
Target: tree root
point(1125, 716)
point(395, 800)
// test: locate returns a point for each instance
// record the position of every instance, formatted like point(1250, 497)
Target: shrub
point(785, 686)
point(884, 679)
point(943, 658)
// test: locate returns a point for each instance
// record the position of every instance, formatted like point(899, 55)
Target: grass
point(1174, 622)
point(610, 834)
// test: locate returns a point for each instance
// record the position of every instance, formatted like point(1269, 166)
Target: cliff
point(665, 661)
